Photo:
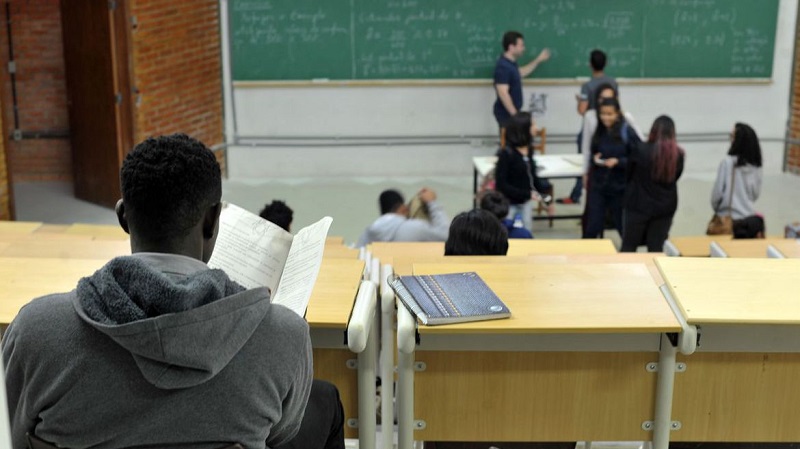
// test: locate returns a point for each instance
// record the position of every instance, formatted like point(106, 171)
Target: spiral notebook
point(449, 298)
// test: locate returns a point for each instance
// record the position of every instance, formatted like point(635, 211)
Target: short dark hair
point(518, 130)
point(279, 213)
point(476, 233)
point(603, 87)
point(597, 59)
point(168, 183)
point(390, 200)
point(749, 227)
point(496, 203)
point(510, 38)
point(745, 146)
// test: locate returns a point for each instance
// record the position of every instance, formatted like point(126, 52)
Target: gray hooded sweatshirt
point(746, 188)
point(157, 349)
point(393, 227)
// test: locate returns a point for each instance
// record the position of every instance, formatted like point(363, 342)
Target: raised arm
point(528, 68)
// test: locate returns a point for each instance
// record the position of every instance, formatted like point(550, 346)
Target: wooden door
point(99, 97)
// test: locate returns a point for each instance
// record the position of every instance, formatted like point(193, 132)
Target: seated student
point(156, 348)
point(394, 225)
point(476, 233)
point(751, 227)
point(497, 204)
point(279, 213)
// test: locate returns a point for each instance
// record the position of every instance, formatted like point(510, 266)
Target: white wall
point(387, 111)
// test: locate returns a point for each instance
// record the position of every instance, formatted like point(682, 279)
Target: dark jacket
point(611, 181)
point(515, 177)
point(643, 194)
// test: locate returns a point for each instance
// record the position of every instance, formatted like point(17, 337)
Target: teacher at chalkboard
point(508, 77)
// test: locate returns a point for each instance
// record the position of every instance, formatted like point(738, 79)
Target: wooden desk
point(66, 249)
point(23, 279)
point(334, 240)
point(789, 248)
point(101, 232)
point(18, 227)
point(328, 314)
point(383, 250)
point(403, 266)
point(648, 259)
point(741, 384)
point(527, 247)
point(574, 351)
point(340, 252)
point(697, 246)
point(752, 248)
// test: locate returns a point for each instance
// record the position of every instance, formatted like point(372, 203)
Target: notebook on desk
point(449, 298)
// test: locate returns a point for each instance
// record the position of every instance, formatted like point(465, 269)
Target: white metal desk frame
point(667, 345)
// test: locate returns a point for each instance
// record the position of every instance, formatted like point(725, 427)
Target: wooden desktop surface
point(23, 279)
point(734, 291)
point(98, 231)
point(67, 248)
point(334, 240)
point(752, 248)
point(790, 248)
point(337, 251)
point(648, 259)
point(580, 298)
point(527, 247)
point(18, 227)
point(334, 293)
point(697, 246)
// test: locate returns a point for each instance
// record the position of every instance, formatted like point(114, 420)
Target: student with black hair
point(587, 101)
point(515, 173)
point(496, 203)
point(738, 182)
point(394, 224)
point(476, 233)
point(651, 196)
point(156, 348)
point(611, 144)
point(508, 76)
point(279, 213)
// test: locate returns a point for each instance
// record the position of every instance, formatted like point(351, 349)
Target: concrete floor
point(352, 202)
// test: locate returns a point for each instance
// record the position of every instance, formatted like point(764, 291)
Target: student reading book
point(257, 253)
point(449, 298)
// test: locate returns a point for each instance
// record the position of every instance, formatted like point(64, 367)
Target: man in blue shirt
point(508, 76)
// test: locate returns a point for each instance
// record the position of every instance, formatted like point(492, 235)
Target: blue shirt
point(507, 72)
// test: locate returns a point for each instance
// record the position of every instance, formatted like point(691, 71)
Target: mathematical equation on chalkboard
point(395, 39)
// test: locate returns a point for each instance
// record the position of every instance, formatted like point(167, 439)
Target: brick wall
point(177, 68)
point(41, 90)
point(793, 150)
point(6, 196)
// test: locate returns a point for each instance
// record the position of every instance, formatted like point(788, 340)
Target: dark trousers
point(577, 190)
point(597, 203)
point(323, 422)
point(641, 229)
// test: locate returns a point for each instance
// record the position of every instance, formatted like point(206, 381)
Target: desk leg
point(366, 389)
point(662, 424)
point(474, 187)
point(406, 329)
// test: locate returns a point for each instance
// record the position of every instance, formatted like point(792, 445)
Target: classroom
point(327, 105)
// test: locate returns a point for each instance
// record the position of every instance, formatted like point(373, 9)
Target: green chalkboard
point(460, 39)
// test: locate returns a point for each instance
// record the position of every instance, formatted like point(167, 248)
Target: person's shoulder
point(46, 308)
point(282, 323)
point(45, 318)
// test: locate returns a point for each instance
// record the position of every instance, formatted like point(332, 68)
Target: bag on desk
point(720, 225)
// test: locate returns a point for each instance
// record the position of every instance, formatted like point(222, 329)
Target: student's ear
point(211, 221)
point(123, 220)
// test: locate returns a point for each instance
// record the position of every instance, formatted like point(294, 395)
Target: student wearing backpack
point(611, 144)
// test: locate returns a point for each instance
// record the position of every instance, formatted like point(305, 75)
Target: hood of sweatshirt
point(182, 328)
point(385, 227)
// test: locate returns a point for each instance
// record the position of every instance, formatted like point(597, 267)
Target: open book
point(257, 253)
point(449, 298)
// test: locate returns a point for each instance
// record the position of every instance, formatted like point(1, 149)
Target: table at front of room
point(741, 383)
point(549, 166)
point(571, 364)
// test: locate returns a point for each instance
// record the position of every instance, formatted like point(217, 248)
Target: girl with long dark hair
point(738, 181)
point(651, 195)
